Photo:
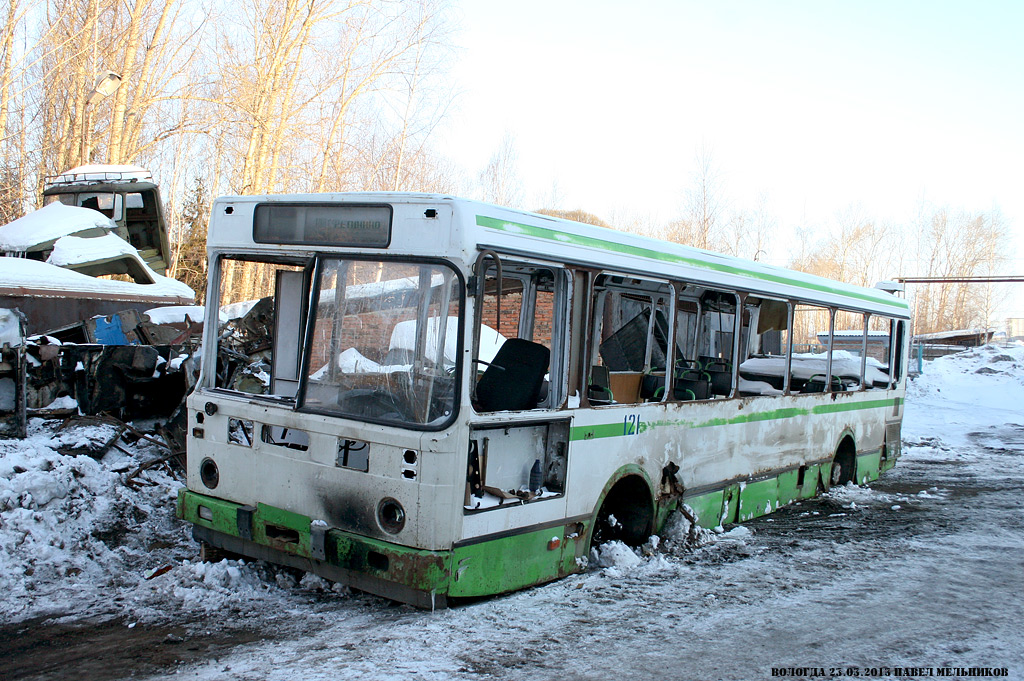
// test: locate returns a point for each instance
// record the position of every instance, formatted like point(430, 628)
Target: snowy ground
point(923, 569)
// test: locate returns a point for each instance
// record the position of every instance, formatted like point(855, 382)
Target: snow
point(10, 328)
point(236, 310)
point(49, 223)
point(922, 567)
point(806, 365)
point(98, 173)
point(63, 402)
point(20, 273)
point(352, 361)
point(175, 314)
point(403, 337)
point(76, 250)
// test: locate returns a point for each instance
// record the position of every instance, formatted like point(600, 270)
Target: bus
point(435, 399)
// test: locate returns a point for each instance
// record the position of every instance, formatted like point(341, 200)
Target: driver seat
point(513, 380)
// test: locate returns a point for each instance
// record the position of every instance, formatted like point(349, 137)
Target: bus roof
point(481, 225)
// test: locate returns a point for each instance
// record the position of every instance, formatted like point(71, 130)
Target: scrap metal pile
point(102, 366)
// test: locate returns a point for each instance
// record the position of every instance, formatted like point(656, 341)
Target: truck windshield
point(385, 342)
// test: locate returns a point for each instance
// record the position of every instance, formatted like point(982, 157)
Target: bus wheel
point(627, 514)
point(844, 464)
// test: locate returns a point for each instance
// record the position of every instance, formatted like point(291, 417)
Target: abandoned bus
point(430, 398)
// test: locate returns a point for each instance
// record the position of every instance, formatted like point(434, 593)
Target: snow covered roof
point(69, 251)
point(39, 229)
point(855, 333)
point(957, 333)
point(21, 276)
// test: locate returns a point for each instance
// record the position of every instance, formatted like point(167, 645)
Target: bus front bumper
point(262, 532)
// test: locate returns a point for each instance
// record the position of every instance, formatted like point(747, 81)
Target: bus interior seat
point(651, 387)
point(513, 380)
point(697, 384)
point(720, 379)
point(599, 391)
point(816, 384)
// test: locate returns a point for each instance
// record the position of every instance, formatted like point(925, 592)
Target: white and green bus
point(434, 398)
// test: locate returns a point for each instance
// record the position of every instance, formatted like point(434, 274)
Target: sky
point(810, 107)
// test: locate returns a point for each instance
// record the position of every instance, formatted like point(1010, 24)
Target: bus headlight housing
point(390, 515)
point(209, 473)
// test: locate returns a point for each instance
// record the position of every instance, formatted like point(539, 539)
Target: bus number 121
point(631, 424)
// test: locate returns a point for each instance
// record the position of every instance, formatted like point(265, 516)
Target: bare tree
point(957, 244)
point(500, 179)
point(749, 233)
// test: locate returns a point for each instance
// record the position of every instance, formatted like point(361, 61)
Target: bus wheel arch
point(844, 461)
point(625, 511)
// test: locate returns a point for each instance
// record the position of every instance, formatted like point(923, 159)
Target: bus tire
point(844, 464)
point(626, 515)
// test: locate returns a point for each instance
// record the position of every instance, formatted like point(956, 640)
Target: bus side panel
point(869, 466)
point(758, 498)
point(514, 562)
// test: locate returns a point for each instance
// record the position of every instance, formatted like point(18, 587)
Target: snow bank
point(76, 541)
point(969, 391)
point(49, 223)
point(64, 518)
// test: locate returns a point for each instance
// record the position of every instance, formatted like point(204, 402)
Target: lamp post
point(106, 83)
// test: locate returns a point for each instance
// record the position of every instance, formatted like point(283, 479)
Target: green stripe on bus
point(626, 249)
point(596, 432)
point(621, 429)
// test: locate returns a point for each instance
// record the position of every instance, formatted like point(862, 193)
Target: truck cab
point(128, 196)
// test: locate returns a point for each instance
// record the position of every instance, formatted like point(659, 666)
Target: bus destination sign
point(345, 224)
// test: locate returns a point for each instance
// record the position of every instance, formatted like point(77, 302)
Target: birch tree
point(702, 220)
point(500, 179)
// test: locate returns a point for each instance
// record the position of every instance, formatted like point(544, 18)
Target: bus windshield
point(385, 342)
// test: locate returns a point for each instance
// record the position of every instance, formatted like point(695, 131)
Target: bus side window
point(897, 350)
point(765, 340)
point(527, 304)
point(809, 361)
point(716, 336)
point(630, 340)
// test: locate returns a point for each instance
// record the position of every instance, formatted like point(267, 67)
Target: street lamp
point(106, 83)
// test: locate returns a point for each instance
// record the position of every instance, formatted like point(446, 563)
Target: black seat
point(599, 391)
point(692, 385)
point(512, 381)
point(652, 386)
point(816, 384)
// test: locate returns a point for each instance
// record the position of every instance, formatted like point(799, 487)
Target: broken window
point(716, 338)
point(765, 342)
point(262, 310)
point(384, 341)
point(526, 305)
point(108, 203)
point(630, 337)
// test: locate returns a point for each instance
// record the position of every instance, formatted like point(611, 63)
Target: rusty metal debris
point(79, 435)
point(12, 374)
